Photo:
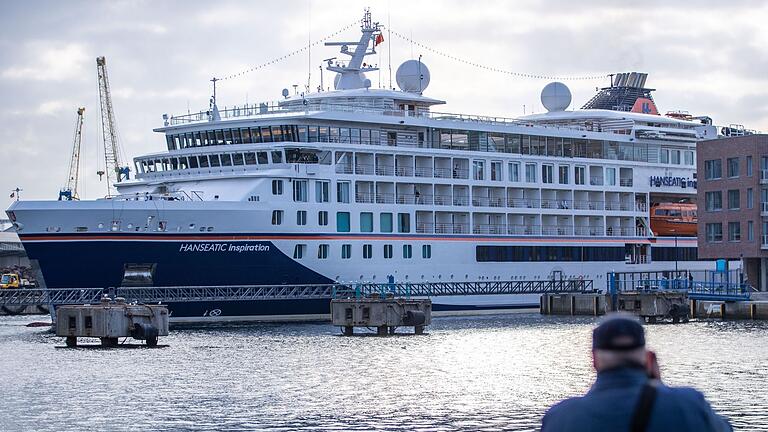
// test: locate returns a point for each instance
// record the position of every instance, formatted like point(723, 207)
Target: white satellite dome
point(352, 81)
point(555, 96)
point(412, 76)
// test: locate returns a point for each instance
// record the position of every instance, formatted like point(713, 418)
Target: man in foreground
point(627, 395)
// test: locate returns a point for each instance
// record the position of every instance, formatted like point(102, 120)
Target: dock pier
point(384, 313)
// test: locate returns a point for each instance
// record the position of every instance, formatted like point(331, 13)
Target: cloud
point(52, 61)
point(54, 107)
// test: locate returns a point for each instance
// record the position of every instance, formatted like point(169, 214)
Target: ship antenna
point(389, 49)
point(214, 108)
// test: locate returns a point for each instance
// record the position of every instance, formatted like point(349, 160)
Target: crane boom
point(69, 191)
point(112, 160)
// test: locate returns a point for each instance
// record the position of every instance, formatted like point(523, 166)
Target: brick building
point(733, 203)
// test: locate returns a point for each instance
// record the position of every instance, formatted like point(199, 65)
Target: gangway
point(698, 285)
point(182, 294)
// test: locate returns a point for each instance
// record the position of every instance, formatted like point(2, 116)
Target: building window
point(300, 190)
point(714, 232)
point(346, 251)
point(530, 173)
point(299, 251)
point(496, 174)
point(403, 222)
point(664, 156)
point(385, 222)
point(387, 251)
point(342, 221)
point(277, 187)
point(749, 166)
point(366, 222)
point(675, 157)
point(750, 199)
point(322, 191)
point(426, 251)
point(732, 165)
point(277, 217)
point(563, 171)
point(407, 251)
point(342, 192)
point(478, 169)
point(733, 199)
point(734, 231)
point(322, 251)
point(579, 175)
point(689, 157)
point(547, 174)
point(367, 251)
point(322, 218)
point(514, 171)
point(301, 217)
point(750, 231)
point(713, 201)
point(610, 176)
point(713, 169)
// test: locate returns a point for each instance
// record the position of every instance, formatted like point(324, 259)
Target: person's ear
point(594, 360)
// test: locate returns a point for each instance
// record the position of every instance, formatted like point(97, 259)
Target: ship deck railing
point(184, 294)
point(276, 109)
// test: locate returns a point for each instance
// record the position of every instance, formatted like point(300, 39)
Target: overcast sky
point(705, 57)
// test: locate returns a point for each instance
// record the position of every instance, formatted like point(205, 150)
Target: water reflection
point(479, 373)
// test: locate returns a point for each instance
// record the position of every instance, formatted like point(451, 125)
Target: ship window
point(301, 217)
point(478, 169)
point(237, 159)
point(365, 136)
point(367, 251)
point(215, 160)
point(301, 156)
point(322, 191)
point(403, 222)
point(407, 251)
point(198, 141)
point(250, 158)
point(346, 251)
point(277, 187)
point(514, 171)
point(277, 157)
point(342, 192)
point(312, 134)
point(183, 163)
point(387, 251)
point(226, 160)
point(228, 136)
point(334, 134)
point(354, 136)
point(246, 134)
point(426, 251)
point(255, 135)
point(342, 221)
point(277, 134)
point(610, 176)
point(496, 174)
point(322, 218)
point(203, 161)
point(530, 172)
point(262, 158)
point(366, 222)
point(385, 222)
point(323, 134)
point(277, 217)
point(579, 173)
point(303, 134)
point(299, 251)
point(661, 212)
point(169, 142)
point(322, 251)
point(547, 174)
point(219, 137)
point(300, 190)
point(563, 171)
point(193, 162)
point(266, 134)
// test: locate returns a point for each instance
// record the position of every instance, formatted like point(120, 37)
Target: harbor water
point(468, 373)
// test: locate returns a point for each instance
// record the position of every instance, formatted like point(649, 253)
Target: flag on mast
point(379, 39)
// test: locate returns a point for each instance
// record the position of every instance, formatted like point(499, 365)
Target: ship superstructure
point(366, 184)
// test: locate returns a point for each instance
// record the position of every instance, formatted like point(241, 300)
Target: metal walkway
point(63, 296)
point(700, 285)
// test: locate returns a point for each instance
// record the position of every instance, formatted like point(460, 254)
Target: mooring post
point(613, 289)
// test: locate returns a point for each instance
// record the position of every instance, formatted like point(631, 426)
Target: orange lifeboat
point(674, 219)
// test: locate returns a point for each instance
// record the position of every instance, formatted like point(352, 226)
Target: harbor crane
point(69, 191)
point(113, 166)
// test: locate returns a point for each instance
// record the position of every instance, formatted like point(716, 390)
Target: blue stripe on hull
point(101, 264)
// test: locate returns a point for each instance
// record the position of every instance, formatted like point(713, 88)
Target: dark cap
point(619, 332)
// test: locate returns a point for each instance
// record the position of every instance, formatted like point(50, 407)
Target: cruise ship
point(375, 185)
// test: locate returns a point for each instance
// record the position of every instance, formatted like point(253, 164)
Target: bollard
point(573, 305)
point(693, 308)
point(722, 311)
point(753, 310)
